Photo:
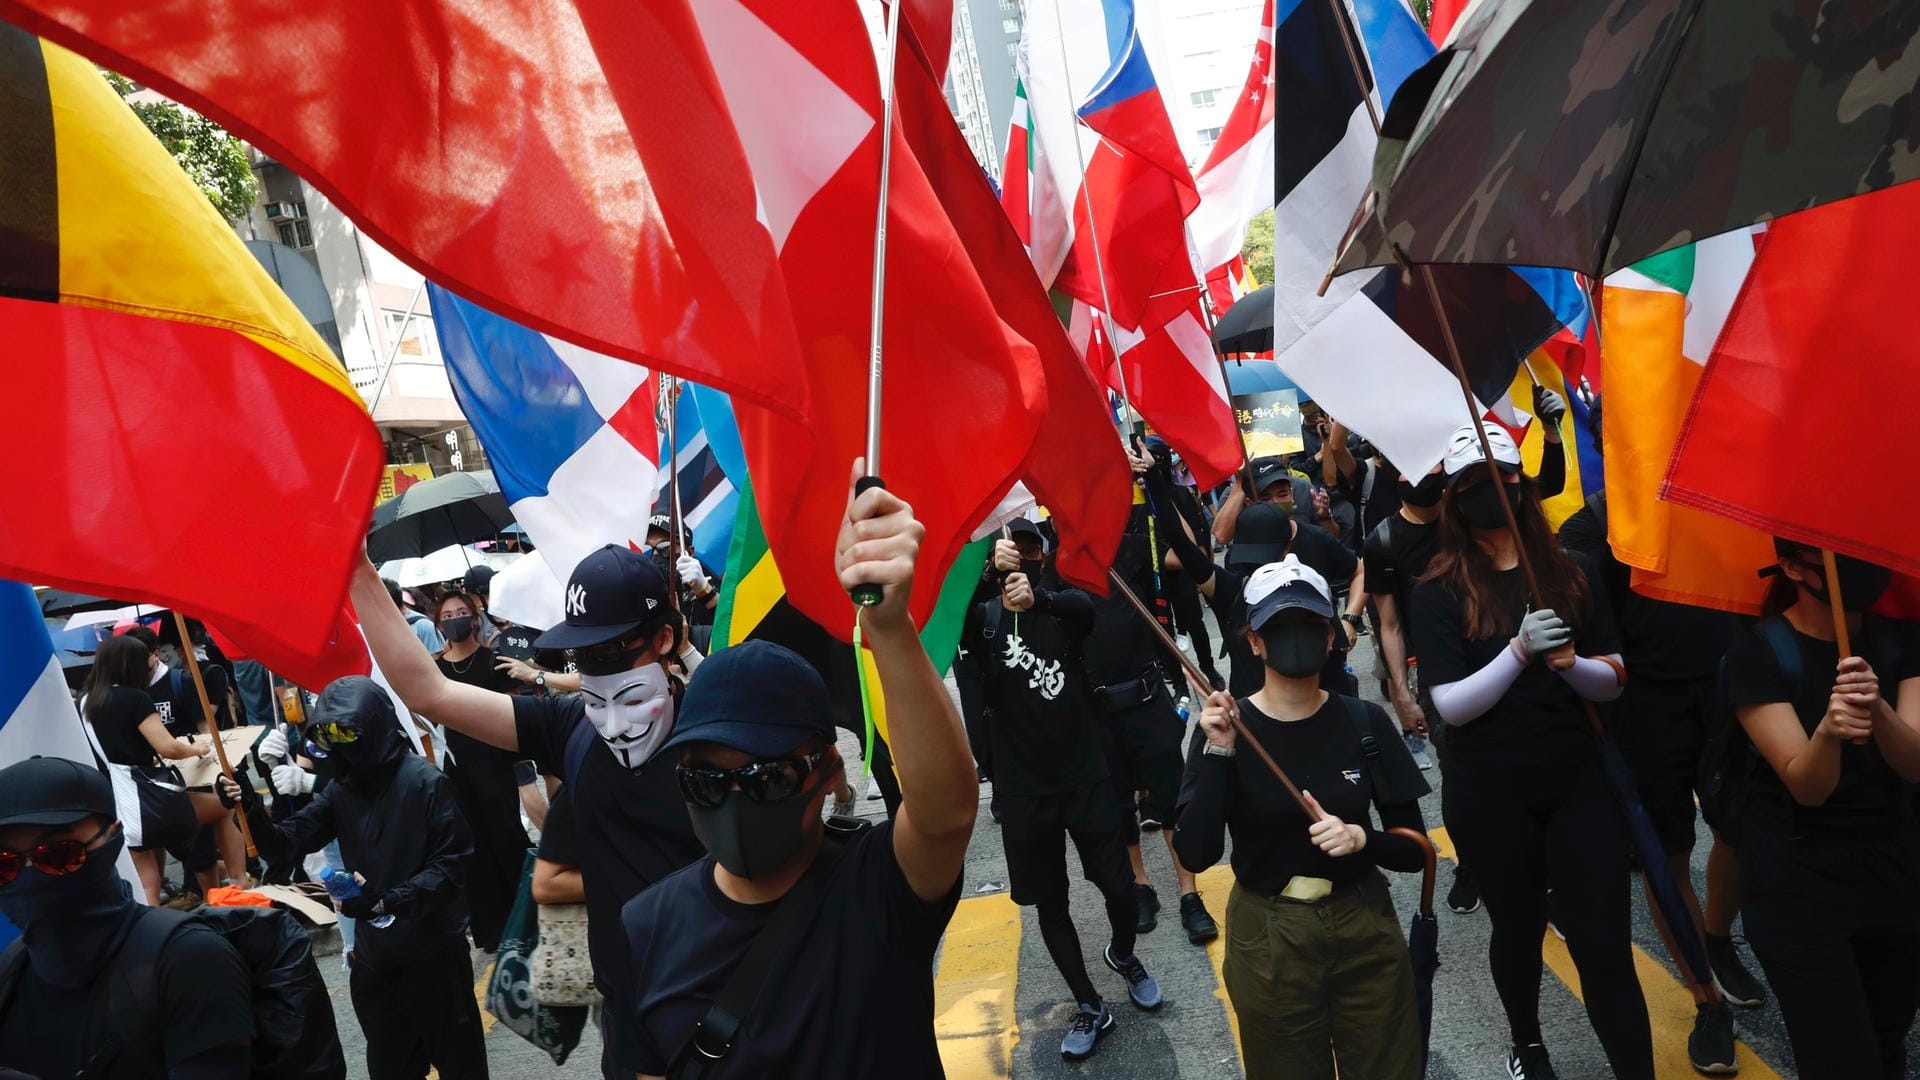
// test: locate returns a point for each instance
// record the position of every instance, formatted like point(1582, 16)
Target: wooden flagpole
point(213, 729)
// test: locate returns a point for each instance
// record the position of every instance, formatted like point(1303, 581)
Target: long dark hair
point(1467, 571)
point(119, 661)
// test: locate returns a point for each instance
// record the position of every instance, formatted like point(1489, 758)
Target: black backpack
point(294, 1034)
point(1729, 763)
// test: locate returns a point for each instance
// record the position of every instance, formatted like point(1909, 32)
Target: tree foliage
point(1258, 250)
point(215, 161)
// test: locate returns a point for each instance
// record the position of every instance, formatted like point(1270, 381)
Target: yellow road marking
point(1218, 882)
point(487, 1019)
point(1669, 1002)
point(973, 993)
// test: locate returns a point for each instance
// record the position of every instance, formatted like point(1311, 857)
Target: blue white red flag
point(571, 434)
point(708, 497)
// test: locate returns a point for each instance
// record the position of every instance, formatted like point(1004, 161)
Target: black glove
point(1549, 406)
point(249, 800)
point(362, 906)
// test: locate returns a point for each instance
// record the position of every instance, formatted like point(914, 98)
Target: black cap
point(479, 578)
point(1022, 526)
point(1268, 471)
point(53, 791)
point(1262, 535)
point(755, 697)
point(612, 593)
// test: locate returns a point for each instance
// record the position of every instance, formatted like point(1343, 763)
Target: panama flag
point(37, 717)
point(571, 434)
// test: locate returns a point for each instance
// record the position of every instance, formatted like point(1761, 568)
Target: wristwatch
point(1351, 619)
point(540, 679)
point(1220, 751)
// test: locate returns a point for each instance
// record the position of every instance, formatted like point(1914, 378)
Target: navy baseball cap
point(53, 791)
point(1268, 471)
point(755, 697)
point(1262, 535)
point(479, 579)
point(612, 593)
point(1024, 527)
point(1288, 583)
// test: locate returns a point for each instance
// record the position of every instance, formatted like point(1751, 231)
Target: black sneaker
point(1149, 909)
point(1195, 920)
point(1710, 1047)
point(1464, 897)
point(1149, 823)
point(1090, 1025)
point(1736, 983)
point(1529, 1062)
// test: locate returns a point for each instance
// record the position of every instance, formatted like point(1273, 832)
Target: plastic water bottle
point(343, 887)
point(1185, 708)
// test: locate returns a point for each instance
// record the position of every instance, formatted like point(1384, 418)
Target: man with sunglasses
point(59, 842)
point(632, 825)
point(817, 942)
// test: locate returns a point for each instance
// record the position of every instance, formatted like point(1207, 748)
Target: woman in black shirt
point(1525, 801)
point(482, 776)
point(1316, 966)
point(136, 743)
point(1829, 853)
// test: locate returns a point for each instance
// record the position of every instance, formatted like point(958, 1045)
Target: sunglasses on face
point(608, 658)
point(332, 734)
point(762, 781)
point(56, 857)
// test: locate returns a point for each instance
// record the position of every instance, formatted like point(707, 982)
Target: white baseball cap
point(1463, 449)
point(1288, 583)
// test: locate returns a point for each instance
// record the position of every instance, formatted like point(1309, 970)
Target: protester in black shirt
point(699, 586)
point(1316, 966)
point(1279, 484)
point(1525, 800)
point(1050, 773)
point(482, 775)
point(59, 841)
point(1829, 852)
point(401, 833)
point(632, 822)
point(845, 984)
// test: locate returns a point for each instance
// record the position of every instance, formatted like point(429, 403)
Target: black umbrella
point(1247, 327)
point(1423, 940)
point(58, 602)
point(1590, 134)
point(458, 508)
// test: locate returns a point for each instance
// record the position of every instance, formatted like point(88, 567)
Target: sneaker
point(1141, 987)
point(1710, 1047)
point(1557, 932)
point(1149, 907)
point(1529, 1062)
point(1736, 983)
point(873, 788)
point(1195, 920)
point(843, 807)
point(1417, 746)
point(1090, 1025)
point(1149, 823)
point(1464, 897)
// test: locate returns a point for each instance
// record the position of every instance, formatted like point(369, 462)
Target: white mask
point(632, 710)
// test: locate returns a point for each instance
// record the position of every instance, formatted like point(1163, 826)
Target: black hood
point(359, 703)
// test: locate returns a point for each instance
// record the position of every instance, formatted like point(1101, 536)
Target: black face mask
point(459, 629)
point(1861, 582)
point(1032, 568)
point(754, 839)
point(1295, 649)
point(1480, 505)
point(1424, 494)
point(72, 922)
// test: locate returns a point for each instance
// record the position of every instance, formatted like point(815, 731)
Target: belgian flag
point(180, 435)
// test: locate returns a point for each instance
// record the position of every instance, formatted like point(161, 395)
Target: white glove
point(273, 748)
point(1542, 631)
point(292, 780)
point(691, 572)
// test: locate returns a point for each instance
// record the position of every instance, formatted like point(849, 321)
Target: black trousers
point(421, 1015)
point(1528, 830)
point(1836, 928)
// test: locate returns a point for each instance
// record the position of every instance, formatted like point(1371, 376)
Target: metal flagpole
point(393, 350)
point(677, 546)
point(869, 595)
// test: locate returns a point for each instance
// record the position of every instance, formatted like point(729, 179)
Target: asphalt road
point(1002, 1007)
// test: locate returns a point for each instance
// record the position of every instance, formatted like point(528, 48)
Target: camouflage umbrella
point(1590, 134)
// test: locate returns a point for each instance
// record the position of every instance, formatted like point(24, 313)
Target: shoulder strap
point(1357, 716)
point(1786, 651)
point(129, 990)
point(13, 960)
point(574, 757)
point(714, 1035)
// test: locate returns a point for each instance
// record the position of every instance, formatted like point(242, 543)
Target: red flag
point(1077, 469)
point(1174, 380)
point(962, 394)
point(1442, 16)
point(568, 164)
point(1802, 426)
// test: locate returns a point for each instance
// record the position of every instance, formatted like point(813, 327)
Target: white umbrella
point(527, 593)
point(450, 563)
point(114, 616)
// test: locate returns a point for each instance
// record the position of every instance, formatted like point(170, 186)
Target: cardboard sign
point(1270, 422)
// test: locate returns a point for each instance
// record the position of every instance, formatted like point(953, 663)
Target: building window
point(295, 234)
point(1204, 98)
point(1010, 24)
point(1013, 50)
point(418, 329)
point(1210, 135)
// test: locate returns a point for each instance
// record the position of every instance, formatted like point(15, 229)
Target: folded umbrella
point(1423, 940)
point(458, 508)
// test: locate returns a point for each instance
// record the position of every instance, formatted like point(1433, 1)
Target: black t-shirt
point(1377, 503)
point(1322, 754)
point(1540, 719)
point(1870, 800)
point(480, 767)
point(1398, 552)
point(857, 999)
point(178, 703)
point(205, 993)
point(1044, 727)
point(118, 726)
point(559, 842)
point(632, 823)
point(1661, 641)
point(1122, 646)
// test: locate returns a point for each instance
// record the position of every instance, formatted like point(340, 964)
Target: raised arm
point(879, 544)
point(482, 714)
point(1197, 564)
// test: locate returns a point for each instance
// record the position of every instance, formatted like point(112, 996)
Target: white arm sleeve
point(1594, 679)
point(1470, 698)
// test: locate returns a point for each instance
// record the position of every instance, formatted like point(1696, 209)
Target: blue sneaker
point(1141, 986)
point(1089, 1027)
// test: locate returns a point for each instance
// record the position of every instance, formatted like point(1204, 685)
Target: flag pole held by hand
point(870, 595)
point(1838, 606)
point(213, 729)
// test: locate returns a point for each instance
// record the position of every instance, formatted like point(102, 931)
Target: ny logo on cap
point(576, 600)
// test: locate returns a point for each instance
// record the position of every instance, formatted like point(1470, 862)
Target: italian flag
point(1016, 178)
point(1659, 321)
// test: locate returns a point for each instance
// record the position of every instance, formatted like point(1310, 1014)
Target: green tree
point(215, 161)
point(1258, 250)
